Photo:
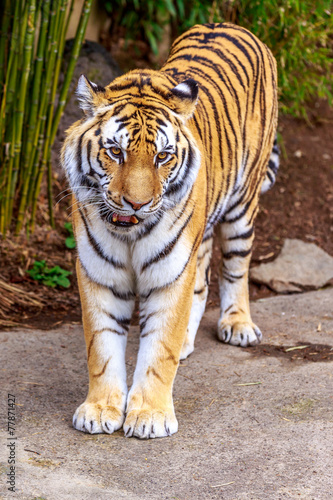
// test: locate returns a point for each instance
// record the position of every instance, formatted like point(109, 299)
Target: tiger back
point(159, 160)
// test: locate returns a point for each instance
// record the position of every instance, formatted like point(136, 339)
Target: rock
point(96, 63)
point(300, 266)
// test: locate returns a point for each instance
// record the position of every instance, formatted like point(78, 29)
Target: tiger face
point(136, 157)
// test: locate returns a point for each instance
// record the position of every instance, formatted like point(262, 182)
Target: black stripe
point(158, 289)
point(242, 213)
point(237, 202)
point(207, 236)
point(119, 295)
point(111, 330)
point(123, 322)
point(98, 249)
point(236, 253)
point(78, 154)
point(144, 322)
point(176, 185)
point(169, 247)
point(147, 228)
point(242, 236)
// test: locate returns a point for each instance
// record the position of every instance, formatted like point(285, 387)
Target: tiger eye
point(116, 151)
point(161, 156)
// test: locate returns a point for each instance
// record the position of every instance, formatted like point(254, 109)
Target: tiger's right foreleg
point(106, 321)
point(200, 295)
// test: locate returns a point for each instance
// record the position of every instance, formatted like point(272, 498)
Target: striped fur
point(160, 159)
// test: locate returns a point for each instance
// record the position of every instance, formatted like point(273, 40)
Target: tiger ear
point(184, 97)
point(89, 95)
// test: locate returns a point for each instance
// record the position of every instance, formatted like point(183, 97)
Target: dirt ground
point(299, 206)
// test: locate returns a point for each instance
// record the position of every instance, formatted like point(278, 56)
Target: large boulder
point(97, 64)
point(300, 266)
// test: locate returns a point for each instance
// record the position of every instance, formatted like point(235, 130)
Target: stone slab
point(300, 266)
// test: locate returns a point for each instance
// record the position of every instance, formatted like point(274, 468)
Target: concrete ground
point(253, 424)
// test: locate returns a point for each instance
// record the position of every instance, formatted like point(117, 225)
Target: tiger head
point(132, 155)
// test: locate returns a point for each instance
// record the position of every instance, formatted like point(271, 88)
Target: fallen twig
point(296, 348)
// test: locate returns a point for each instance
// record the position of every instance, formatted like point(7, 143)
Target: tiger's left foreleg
point(164, 318)
point(199, 296)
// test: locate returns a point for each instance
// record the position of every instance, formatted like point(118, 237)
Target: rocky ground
point(254, 424)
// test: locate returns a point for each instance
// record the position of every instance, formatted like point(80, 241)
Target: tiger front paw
point(240, 333)
point(96, 418)
point(146, 424)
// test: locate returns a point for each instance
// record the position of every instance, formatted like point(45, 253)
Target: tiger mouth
point(123, 220)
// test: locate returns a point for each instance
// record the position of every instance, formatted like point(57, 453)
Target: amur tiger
point(158, 161)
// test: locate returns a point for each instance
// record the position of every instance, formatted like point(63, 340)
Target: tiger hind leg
point(235, 325)
point(199, 296)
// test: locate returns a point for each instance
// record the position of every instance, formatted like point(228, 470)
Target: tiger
point(159, 161)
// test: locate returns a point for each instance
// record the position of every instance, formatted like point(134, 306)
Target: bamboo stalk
point(9, 176)
point(46, 156)
point(8, 126)
point(10, 72)
point(5, 25)
point(44, 132)
point(14, 55)
point(22, 91)
point(70, 12)
point(42, 108)
point(53, 97)
point(71, 66)
point(28, 87)
point(27, 160)
point(4, 44)
point(63, 93)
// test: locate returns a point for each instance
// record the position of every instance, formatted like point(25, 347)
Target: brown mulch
point(299, 206)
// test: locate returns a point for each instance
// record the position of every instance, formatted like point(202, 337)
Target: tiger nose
point(135, 205)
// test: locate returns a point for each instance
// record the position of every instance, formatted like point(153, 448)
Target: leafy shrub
point(300, 35)
point(56, 276)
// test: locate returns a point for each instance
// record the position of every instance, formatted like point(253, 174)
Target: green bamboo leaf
point(152, 41)
point(181, 8)
point(171, 8)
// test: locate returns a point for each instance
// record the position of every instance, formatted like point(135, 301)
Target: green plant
point(56, 276)
point(32, 41)
point(142, 20)
point(300, 35)
point(70, 240)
